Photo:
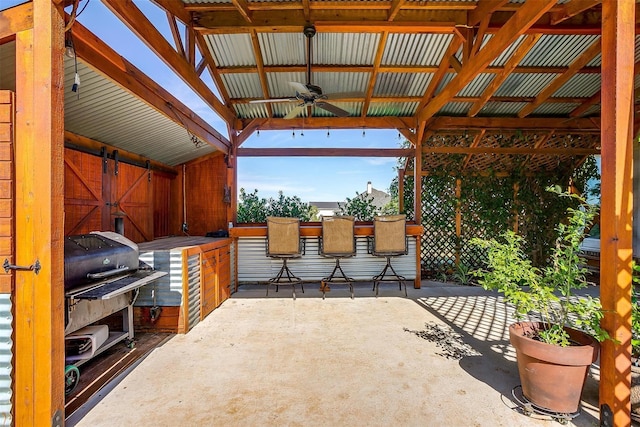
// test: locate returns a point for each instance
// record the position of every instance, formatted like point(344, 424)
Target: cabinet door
point(224, 274)
point(208, 282)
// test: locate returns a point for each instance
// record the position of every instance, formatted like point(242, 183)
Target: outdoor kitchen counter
point(253, 266)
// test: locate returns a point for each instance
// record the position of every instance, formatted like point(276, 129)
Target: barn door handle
point(33, 267)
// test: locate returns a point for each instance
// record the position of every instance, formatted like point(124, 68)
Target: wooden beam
point(137, 22)
point(571, 9)
point(78, 141)
point(175, 8)
point(325, 152)
point(257, 52)
point(16, 19)
point(482, 9)
point(100, 56)
point(39, 209)
point(248, 130)
point(616, 238)
point(374, 74)
point(509, 67)
point(512, 150)
point(579, 124)
point(332, 123)
point(526, 16)
point(243, 9)
point(586, 57)
point(394, 9)
point(454, 45)
point(175, 32)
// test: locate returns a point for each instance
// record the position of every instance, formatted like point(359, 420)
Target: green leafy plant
point(547, 292)
point(360, 207)
point(463, 274)
point(252, 208)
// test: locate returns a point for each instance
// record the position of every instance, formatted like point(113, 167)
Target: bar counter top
point(313, 229)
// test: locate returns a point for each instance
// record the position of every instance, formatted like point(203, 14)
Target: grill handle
point(107, 273)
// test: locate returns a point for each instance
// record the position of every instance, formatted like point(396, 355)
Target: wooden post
point(401, 190)
point(618, 28)
point(39, 198)
point(458, 219)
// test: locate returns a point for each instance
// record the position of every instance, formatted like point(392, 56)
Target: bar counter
point(253, 266)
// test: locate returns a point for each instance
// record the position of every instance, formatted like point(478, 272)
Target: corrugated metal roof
point(400, 109)
point(477, 86)
point(107, 113)
point(334, 82)
point(524, 84)
point(504, 109)
point(231, 50)
point(456, 108)
point(555, 109)
point(580, 85)
point(243, 85)
point(345, 48)
point(557, 50)
point(251, 111)
point(415, 49)
point(282, 48)
point(401, 84)
point(279, 86)
point(507, 53)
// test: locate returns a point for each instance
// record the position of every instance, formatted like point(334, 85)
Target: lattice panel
point(438, 248)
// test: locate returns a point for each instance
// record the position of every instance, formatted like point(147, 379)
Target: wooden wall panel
point(83, 197)
point(7, 225)
point(161, 204)
point(132, 193)
point(205, 182)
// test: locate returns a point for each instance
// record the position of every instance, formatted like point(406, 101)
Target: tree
point(360, 207)
point(252, 208)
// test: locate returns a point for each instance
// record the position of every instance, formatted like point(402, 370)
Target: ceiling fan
point(309, 95)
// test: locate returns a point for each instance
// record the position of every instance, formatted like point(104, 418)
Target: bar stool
point(283, 242)
point(337, 241)
point(389, 240)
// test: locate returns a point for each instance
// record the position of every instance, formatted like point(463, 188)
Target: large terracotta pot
point(552, 377)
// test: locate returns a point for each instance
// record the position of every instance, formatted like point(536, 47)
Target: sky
point(313, 179)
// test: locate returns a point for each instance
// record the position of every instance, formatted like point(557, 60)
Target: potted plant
point(559, 340)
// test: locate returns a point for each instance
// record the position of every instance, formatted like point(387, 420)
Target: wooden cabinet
point(215, 279)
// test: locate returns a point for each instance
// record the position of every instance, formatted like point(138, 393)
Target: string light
point(399, 136)
point(258, 133)
point(328, 133)
point(293, 134)
point(363, 133)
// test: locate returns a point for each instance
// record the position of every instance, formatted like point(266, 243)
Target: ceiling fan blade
point(300, 88)
point(332, 109)
point(345, 95)
point(295, 111)
point(262, 101)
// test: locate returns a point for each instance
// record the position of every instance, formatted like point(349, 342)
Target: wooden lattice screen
point(449, 223)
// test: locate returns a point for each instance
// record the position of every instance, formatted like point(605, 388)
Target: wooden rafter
point(386, 68)
point(503, 123)
point(99, 55)
point(479, 36)
point(175, 32)
point(526, 16)
point(243, 8)
point(176, 8)
point(15, 20)
point(395, 9)
point(248, 130)
point(191, 46)
point(475, 143)
point(586, 57)
point(482, 9)
point(571, 9)
point(306, 10)
point(374, 74)
point(128, 13)
point(512, 150)
point(257, 52)
point(211, 65)
point(595, 98)
point(440, 73)
point(509, 66)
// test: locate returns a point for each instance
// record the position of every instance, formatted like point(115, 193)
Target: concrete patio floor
point(259, 361)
